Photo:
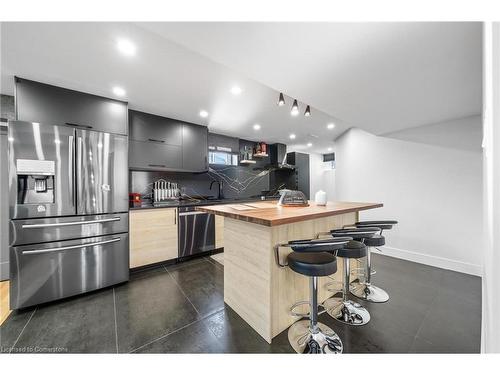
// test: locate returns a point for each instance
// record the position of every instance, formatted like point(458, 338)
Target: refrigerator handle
point(54, 249)
point(71, 169)
point(65, 224)
point(78, 170)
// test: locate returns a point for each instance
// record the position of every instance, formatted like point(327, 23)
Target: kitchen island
point(254, 285)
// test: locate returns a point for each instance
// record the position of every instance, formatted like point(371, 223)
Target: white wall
point(434, 192)
point(490, 324)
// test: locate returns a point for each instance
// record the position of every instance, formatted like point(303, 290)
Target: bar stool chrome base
point(348, 312)
point(304, 341)
point(369, 292)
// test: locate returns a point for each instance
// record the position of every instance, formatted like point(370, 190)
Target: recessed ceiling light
point(126, 47)
point(236, 90)
point(203, 113)
point(329, 149)
point(292, 136)
point(295, 108)
point(256, 127)
point(309, 144)
point(330, 126)
point(118, 91)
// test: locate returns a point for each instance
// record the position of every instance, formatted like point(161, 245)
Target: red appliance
point(135, 199)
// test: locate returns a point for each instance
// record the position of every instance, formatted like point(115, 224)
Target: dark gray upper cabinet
point(154, 156)
point(160, 143)
point(194, 148)
point(218, 140)
point(39, 102)
point(148, 127)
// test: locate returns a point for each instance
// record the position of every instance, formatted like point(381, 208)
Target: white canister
point(320, 198)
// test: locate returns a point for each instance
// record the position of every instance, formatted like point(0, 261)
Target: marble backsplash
point(238, 181)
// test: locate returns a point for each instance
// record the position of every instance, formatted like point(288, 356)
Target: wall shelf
point(245, 161)
point(260, 155)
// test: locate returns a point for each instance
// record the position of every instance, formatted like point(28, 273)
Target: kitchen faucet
point(220, 194)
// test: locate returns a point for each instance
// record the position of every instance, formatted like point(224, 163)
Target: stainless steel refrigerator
point(68, 205)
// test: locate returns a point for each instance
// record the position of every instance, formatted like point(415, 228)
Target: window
point(222, 158)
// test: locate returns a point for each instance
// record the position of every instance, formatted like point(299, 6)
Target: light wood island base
point(255, 286)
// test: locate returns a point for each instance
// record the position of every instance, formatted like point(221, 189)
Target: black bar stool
point(365, 290)
point(343, 309)
point(313, 258)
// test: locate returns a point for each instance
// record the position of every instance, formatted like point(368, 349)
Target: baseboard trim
point(431, 260)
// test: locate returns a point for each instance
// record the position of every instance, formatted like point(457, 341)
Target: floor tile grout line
point(166, 335)
point(425, 317)
point(200, 319)
point(203, 320)
point(18, 337)
point(116, 324)
point(182, 291)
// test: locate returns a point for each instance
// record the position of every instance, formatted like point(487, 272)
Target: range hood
point(277, 156)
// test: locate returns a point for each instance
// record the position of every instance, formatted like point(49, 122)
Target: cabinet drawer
point(152, 128)
point(153, 236)
point(39, 102)
point(153, 156)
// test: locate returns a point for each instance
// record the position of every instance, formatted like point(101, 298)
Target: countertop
point(195, 202)
point(268, 213)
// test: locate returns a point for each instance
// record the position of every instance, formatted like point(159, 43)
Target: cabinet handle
point(175, 217)
point(155, 140)
point(157, 165)
point(79, 126)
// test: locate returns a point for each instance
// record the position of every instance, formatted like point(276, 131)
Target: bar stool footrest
point(297, 314)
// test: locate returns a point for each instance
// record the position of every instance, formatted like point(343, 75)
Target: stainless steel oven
point(196, 231)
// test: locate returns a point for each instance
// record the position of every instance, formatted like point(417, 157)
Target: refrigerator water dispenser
point(35, 181)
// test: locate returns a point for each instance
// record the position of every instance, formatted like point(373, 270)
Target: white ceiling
point(162, 78)
point(464, 134)
point(380, 77)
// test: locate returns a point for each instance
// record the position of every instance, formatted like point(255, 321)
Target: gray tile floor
point(180, 309)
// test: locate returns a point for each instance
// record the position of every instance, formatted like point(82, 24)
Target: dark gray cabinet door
point(39, 102)
point(194, 148)
point(154, 156)
point(148, 127)
point(219, 140)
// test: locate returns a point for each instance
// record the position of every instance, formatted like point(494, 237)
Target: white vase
point(320, 198)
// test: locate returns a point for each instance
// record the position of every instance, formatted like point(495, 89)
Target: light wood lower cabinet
point(219, 231)
point(153, 236)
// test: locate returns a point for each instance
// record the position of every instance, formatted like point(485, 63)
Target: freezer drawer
point(50, 271)
point(23, 232)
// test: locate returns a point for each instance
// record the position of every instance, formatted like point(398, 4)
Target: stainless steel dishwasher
point(196, 232)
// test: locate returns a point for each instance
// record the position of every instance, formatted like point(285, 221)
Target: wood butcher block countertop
point(270, 214)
